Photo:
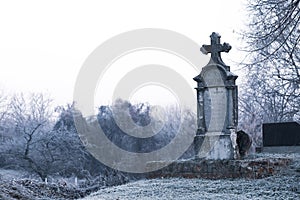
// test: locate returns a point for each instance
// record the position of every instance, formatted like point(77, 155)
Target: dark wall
point(281, 134)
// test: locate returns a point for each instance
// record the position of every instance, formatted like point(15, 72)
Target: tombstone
point(244, 143)
point(217, 106)
point(217, 140)
point(281, 137)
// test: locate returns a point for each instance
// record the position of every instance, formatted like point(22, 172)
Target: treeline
point(37, 138)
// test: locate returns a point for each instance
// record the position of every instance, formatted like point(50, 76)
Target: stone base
point(214, 145)
point(216, 169)
point(281, 149)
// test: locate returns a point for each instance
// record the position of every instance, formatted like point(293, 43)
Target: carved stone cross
point(215, 48)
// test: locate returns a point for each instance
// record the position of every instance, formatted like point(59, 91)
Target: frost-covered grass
point(282, 186)
point(286, 185)
point(268, 188)
point(16, 184)
point(8, 174)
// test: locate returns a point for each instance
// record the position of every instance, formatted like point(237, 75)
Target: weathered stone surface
point(215, 145)
point(217, 106)
point(216, 169)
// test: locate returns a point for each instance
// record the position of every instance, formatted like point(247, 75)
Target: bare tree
point(31, 121)
point(3, 116)
point(271, 92)
point(273, 36)
point(3, 105)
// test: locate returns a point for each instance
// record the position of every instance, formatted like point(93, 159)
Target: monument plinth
point(217, 106)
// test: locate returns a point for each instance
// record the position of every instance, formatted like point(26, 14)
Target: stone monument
point(217, 106)
point(217, 140)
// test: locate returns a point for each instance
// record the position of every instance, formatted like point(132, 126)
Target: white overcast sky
point(43, 44)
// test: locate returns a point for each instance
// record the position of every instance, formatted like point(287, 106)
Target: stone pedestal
point(215, 147)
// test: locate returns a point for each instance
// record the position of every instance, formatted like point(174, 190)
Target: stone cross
point(217, 105)
point(215, 48)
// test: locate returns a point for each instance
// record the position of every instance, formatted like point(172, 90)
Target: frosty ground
point(285, 185)
point(282, 186)
point(268, 188)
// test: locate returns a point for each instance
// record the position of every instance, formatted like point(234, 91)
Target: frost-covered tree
point(271, 92)
point(273, 38)
point(48, 145)
point(119, 120)
point(4, 122)
point(40, 143)
point(74, 158)
point(30, 122)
